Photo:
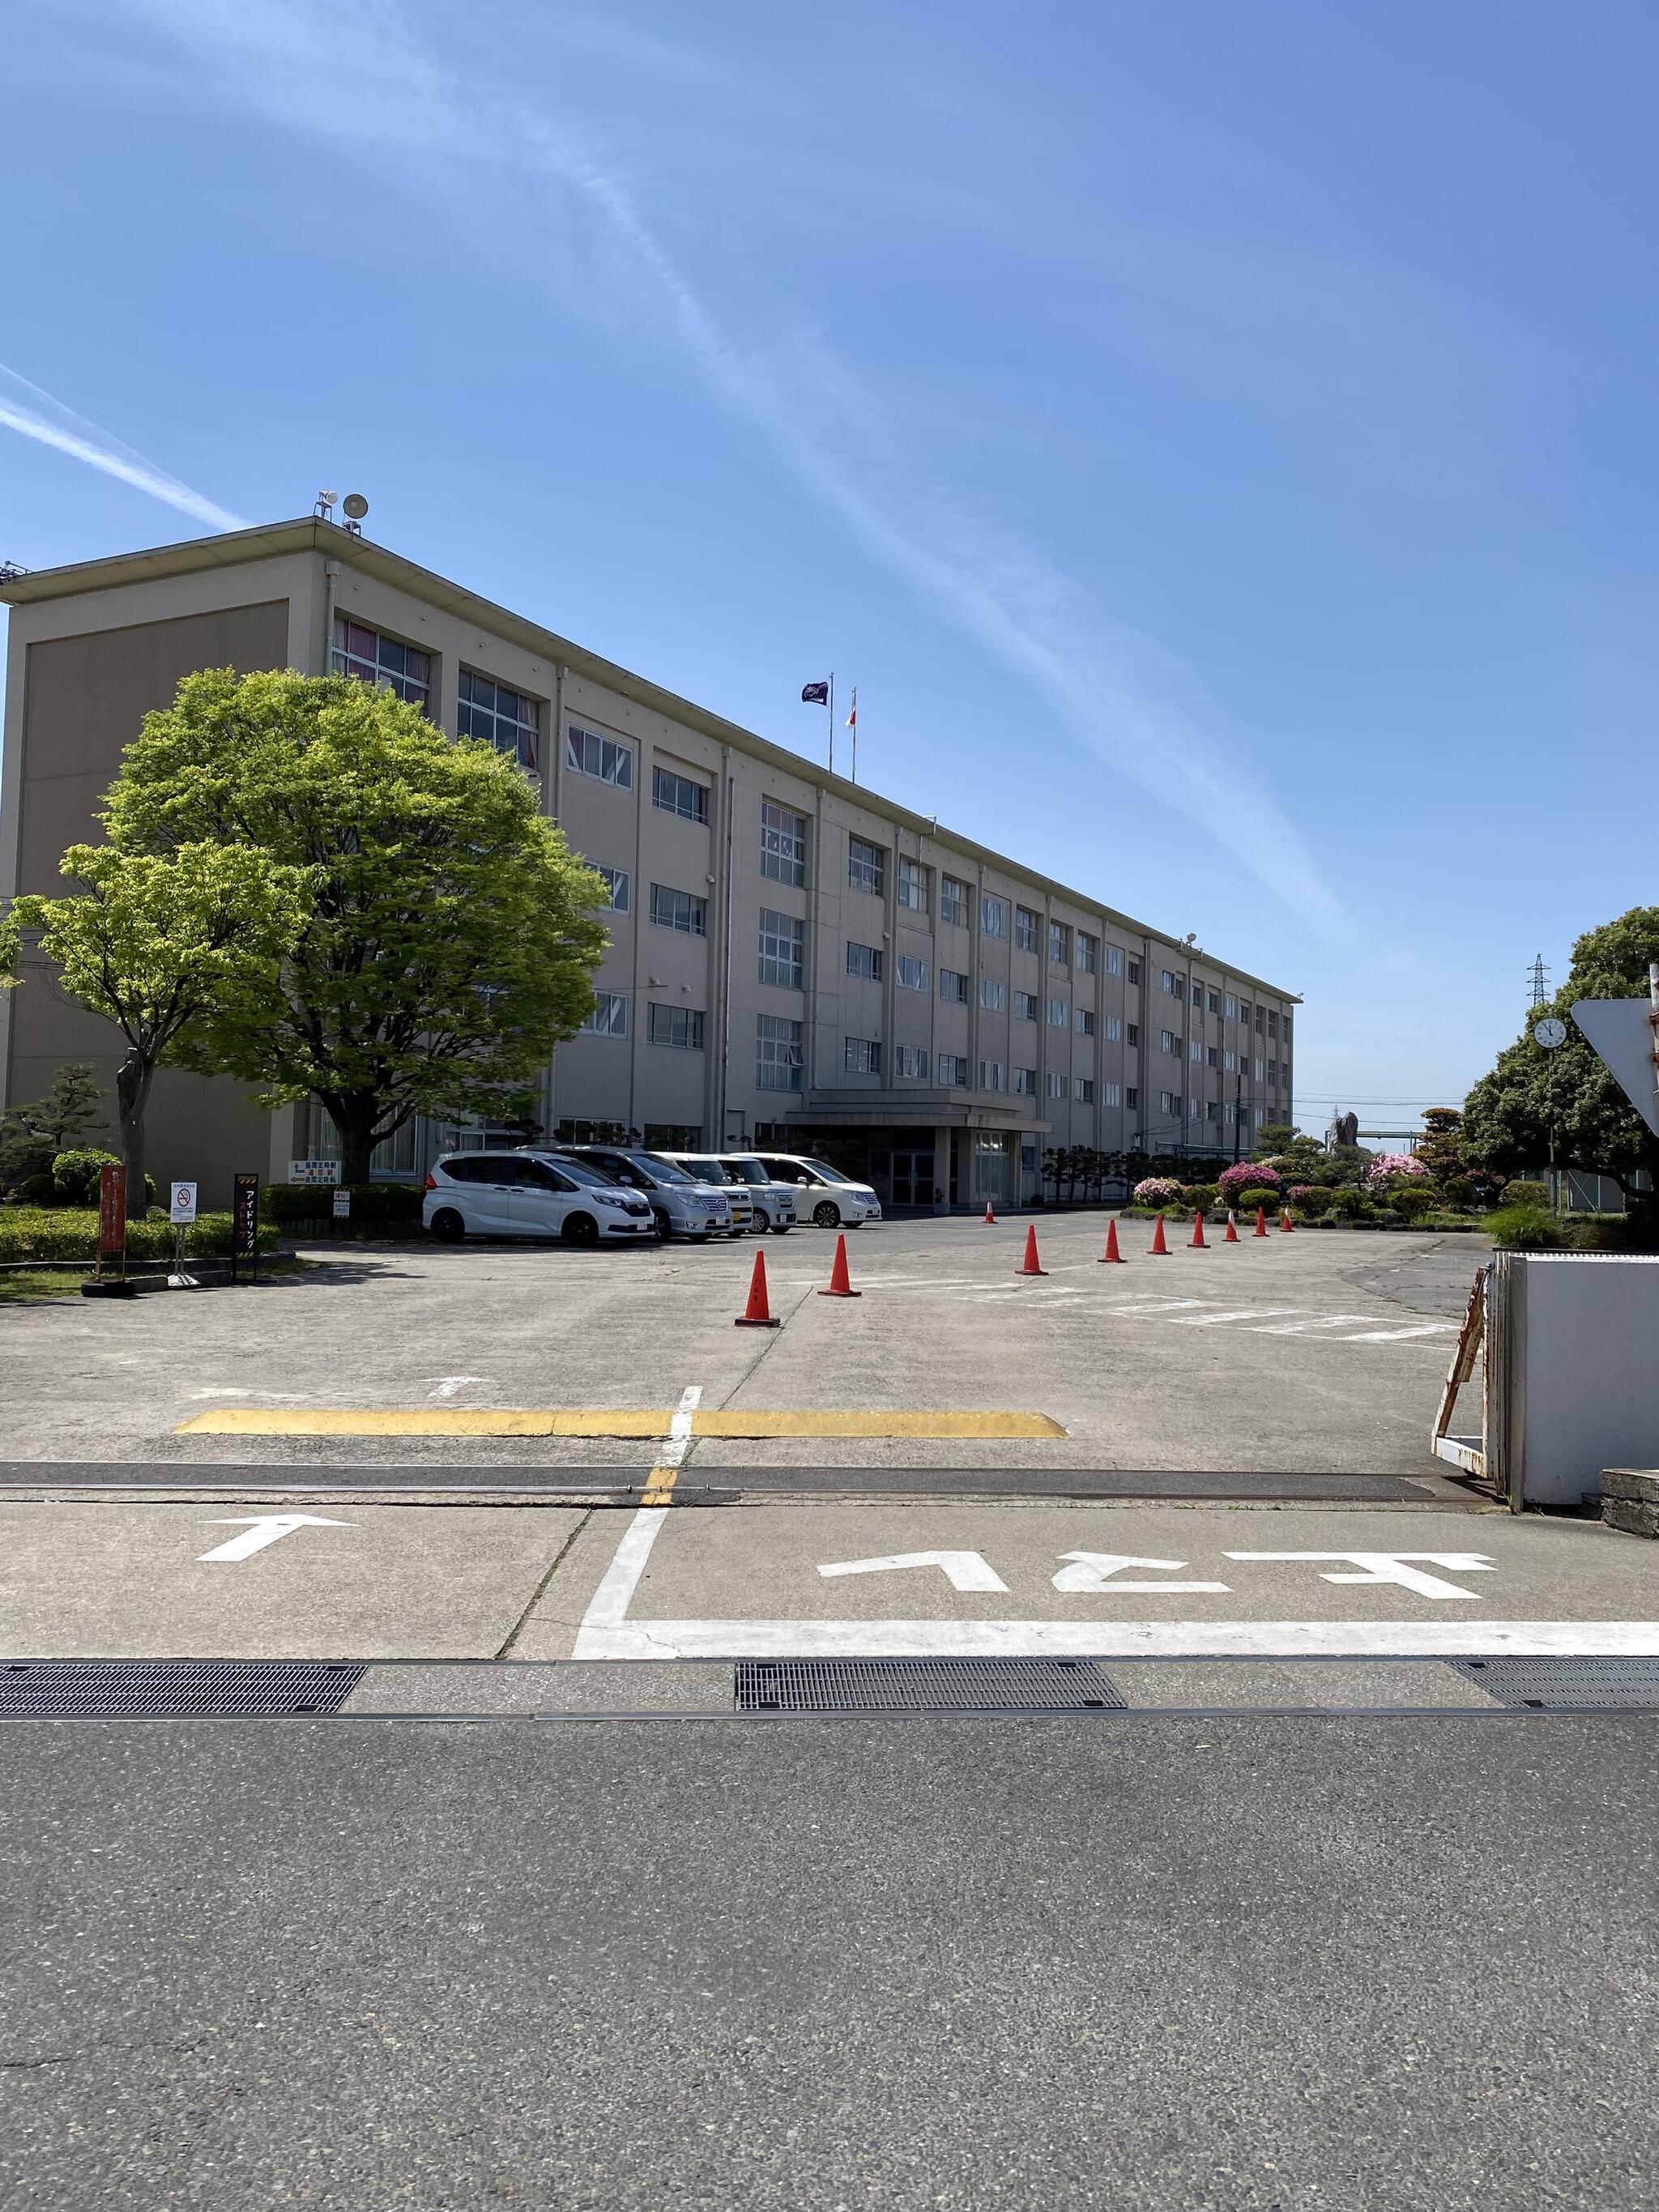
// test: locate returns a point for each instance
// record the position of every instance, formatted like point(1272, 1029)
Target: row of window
point(1175, 1107)
point(680, 1027)
point(1265, 1018)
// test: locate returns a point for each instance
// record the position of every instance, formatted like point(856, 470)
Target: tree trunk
point(355, 1119)
point(132, 1081)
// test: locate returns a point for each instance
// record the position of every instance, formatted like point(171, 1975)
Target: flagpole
point(832, 721)
point(855, 733)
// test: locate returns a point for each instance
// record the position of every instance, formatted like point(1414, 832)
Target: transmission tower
point(1538, 976)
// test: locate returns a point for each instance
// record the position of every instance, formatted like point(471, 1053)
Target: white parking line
point(1399, 1335)
point(1247, 1313)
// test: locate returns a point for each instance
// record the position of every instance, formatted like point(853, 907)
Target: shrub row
point(378, 1209)
point(62, 1232)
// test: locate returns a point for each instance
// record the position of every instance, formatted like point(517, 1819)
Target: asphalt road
point(1135, 1962)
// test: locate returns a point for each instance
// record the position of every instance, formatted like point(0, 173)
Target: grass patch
point(25, 1286)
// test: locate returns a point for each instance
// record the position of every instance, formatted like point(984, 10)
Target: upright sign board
point(342, 1206)
point(111, 1216)
point(313, 1171)
point(245, 1224)
point(1623, 1033)
point(181, 1204)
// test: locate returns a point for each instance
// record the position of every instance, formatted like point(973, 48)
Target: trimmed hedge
point(378, 1209)
point(63, 1232)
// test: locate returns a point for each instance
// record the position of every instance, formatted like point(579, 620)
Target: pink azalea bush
point(1157, 1190)
point(1247, 1175)
point(1395, 1167)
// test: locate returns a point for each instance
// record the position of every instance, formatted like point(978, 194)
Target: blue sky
point(1216, 440)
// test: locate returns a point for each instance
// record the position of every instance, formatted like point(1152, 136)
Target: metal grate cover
point(173, 1689)
point(919, 1686)
point(1565, 1685)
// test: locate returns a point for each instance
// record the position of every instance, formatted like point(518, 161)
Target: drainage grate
point(915, 1686)
point(172, 1689)
point(1565, 1685)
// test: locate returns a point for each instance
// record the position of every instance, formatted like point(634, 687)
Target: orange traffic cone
point(840, 1283)
point(1284, 1223)
point(1160, 1248)
point(756, 1314)
point(1199, 1244)
point(1231, 1236)
point(1260, 1229)
point(1029, 1265)
point(1111, 1253)
point(990, 1216)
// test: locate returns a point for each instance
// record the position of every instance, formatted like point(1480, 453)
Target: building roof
point(310, 534)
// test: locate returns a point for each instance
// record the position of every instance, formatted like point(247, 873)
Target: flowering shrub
point(1157, 1190)
point(1247, 1175)
point(1392, 1167)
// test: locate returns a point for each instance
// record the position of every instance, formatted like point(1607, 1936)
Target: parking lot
point(1317, 1353)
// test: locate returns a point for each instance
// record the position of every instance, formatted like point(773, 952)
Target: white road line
point(1399, 1335)
point(615, 1594)
point(964, 1570)
point(1214, 1320)
point(1149, 1640)
point(1309, 1327)
point(1150, 1308)
point(260, 1530)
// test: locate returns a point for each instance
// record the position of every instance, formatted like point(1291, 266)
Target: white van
point(707, 1168)
point(526, 1194)
point(833, 1199)
point(773, 1202)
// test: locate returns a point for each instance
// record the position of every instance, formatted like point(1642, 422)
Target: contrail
point(101, 451)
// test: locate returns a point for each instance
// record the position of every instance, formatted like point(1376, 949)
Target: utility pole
point(1538, 981)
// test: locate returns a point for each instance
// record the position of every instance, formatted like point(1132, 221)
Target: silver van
point(683, 1206)
point(707, 1167)
point(773, 1202)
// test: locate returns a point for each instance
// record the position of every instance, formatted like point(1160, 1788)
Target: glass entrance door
point(912, 1178)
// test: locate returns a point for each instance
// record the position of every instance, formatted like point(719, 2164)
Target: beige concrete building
point(794, 960)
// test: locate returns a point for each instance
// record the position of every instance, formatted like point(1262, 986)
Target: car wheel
point(827, 1213)
point(447, 1225)
point(579, 1229)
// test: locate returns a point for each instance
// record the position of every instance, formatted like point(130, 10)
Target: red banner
point(112, 1212)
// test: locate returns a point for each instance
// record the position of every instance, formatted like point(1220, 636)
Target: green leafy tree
point(450, 939)
point(1510, 1116)
point(1273, 1137)
point(162, 946)
point(33, 1135)
point(1440, 1147)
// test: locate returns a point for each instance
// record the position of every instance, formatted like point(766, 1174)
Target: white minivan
point(529, 1194)
point(773, 1202)
point(833, 1199)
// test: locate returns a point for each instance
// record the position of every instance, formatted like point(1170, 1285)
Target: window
point(953, 987)
point(1131, 1097)
point(1059, 1013)
point(1230, 1008)
point(1083, 1022)
point(1026, 925)
point(1229, 1061)
point(1272, 1070)
point(1256, 1065)
point(1169, 980)
point(618, 883)
point(1214, 1002)
point(1287, 1028)
point(910, 1060)
point(953, 901)
point(861, 1056)
point(1169, 1042)
point(1135, 972)
point(951, 1068)
point(992, 1075)
point(504, 719)
point(1085, 1090)
point(1088, 952)
point(994, 997)
point(865, 960)
point(1212, 1111)
point(1114, 960)
point(1198, 996)
point(1132, 1033)
point(1227, 1112)
point(1212, 1057)
point(1026, 1006)
point(778, 1053)
point(1272, 1025)
point(1195, 1108)
point(783, 844)
point(911, 974)
point(602, 758)
point(1114, 1028)
point(680, 794)
point(674, 1025)
point(1060, 949)
point(867, 866)
point(1258, 1021)
point(993, 915)
point(1057, 1086)
point(912, 886)
point(1026, 1082)
point(1244, 1011)
point(1169, 1102)
point(782, 938)
point(373, 659)
point(608, 1016)
point(1196, 1051)
point(671, 909)
point(1111, 1094)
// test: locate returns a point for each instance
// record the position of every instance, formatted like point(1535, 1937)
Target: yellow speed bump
point(586, 1421)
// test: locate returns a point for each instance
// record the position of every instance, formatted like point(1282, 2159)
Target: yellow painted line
point(472, 1421)
point(657, 1485)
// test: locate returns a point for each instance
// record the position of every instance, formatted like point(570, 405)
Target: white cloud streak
point(68, 433)
point(357, 75)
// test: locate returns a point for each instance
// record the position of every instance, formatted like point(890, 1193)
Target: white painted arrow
point(268, 1528)
point(964, 1571)
point(1097, 1571)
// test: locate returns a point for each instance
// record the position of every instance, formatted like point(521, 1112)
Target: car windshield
point(749, 1171)
point(585, 1171)
point(652, 1163)
point(830, 1175)
point(711, 1172)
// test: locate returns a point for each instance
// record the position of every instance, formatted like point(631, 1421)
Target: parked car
point(710, 1169)
point(531, 1194)
point(773, 1202)
point(833, 1199)
point(683, 1206)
